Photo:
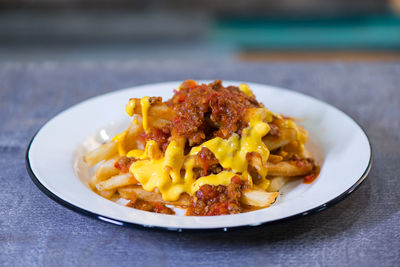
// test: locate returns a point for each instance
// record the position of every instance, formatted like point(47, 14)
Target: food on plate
point(210, 149)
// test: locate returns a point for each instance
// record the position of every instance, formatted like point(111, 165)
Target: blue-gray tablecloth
point(363, 229)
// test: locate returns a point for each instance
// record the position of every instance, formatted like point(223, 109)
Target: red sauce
point(301, 163)
point(203, 112)
point(161, 136)
point(156, 207)
point(274, 130)
point(207, 159)
point(124, 163)
point(206, 111)
point(311, 177)
point(213, 200)
point(306, 163)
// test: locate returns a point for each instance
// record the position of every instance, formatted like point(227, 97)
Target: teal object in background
point(367, 32)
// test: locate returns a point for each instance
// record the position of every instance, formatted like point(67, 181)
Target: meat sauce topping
point(203, 112)
point(306, 162)
point(161, 136)
point(156, 207)
point(124, 163)
point(213, 200)
point(308, 179)
point(207, 160)
point(301, 162)
point(207, 111)
point(274, 130)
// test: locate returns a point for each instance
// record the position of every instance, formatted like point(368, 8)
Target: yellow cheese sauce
point(245, 89)
point(150, 151)
point(130, 107)
point(144, 102)
point(164, 173)
point(120, 140)
point(301, 136)
point(172, 174)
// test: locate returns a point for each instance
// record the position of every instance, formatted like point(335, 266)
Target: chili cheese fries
point(210, 149)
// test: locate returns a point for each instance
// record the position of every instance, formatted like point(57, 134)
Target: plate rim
point(103, 218)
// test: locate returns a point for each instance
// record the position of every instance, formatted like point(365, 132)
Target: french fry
point(106, 170)
point(92, 182)
point(286, 136)
point(184, 200)
point(255, 160)
point(117, 181)
point(274, 158)
point(136, 127)
point(127, 192)
point(103, 152)
point(306, 153)
point(258, 198)
point(159, 110)
point(277, 183)
point(286, 169)
point(252, 112)
point(137, 192)
point(103, 172)
point(303, 132)
point(106, 193)
point(285, 141)
point(157, 122)
point(132, 133)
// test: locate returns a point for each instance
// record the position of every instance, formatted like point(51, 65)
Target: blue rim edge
point(102, 218)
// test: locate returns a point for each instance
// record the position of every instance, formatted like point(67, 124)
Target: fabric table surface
point(361, 230)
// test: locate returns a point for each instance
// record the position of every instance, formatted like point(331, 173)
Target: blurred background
point(252, 30)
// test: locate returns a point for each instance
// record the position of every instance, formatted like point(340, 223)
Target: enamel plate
point(54, 158)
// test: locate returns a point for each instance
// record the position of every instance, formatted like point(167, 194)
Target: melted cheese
point(300, 135)
point(165, 173)
point(150, 151)
point(120, 140)
point(231, 153)
point(145, 104)
point(173, 174)
point(130, 107)
point(222, 178)
point(245, 89)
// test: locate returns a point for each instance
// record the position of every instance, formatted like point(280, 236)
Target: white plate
point(53, 158)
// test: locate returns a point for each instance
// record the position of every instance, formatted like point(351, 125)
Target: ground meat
point(213, 200)
point(301, 162)
point(156, 207)
point(274, 130)
point(207, 160)
point(155, 100)
point(308, 179)
point(124, 163)
point(206, 111)
point(161, 136)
